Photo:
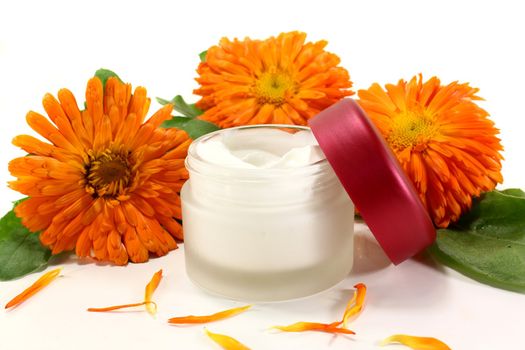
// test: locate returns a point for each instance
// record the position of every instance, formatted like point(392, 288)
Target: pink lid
point(373, 178)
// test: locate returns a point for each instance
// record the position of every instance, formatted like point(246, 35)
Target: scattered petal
point(209, 318)
point(124, 306)
point(313, 326)
point(416, 343)
point(40, 283)
point(150, 288)
point(227, 342)
point(355, 305)
point(151, 306)
point(353, 308)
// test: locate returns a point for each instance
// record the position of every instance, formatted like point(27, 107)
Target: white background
point(47, 45)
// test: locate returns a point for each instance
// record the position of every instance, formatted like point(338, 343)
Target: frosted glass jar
point(264, 232)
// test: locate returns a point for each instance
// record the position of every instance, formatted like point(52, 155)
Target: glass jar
point(264, 234)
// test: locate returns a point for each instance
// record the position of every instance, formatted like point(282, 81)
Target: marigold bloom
point(442, 138)
point(280, 80)
point(107, 184)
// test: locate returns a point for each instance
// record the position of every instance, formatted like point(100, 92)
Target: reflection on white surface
point(368, 255)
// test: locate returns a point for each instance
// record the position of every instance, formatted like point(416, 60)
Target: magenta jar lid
point(372, 176)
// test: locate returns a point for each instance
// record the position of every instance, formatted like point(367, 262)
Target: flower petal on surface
point(416, 343)
point(355, 305)
point(208, 318)
point(40, 283)
point(226, 342)
point(150, 289)
point(151, 306)
point(314, 326)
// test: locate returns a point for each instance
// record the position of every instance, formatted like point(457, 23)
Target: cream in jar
point(265, 217)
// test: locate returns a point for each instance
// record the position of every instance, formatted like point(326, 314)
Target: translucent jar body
point(265, 234)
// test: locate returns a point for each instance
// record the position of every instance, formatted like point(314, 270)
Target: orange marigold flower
point(280, 80)
point(107, 184)
point(442, 138)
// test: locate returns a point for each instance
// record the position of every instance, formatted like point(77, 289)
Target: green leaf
point(187, 110)
point(20, 250)
point(194, 127)
point(104, 74)
point(163, 101)
point(488, 243)
point(202, 56)
point(176, 122)
point(516, 192)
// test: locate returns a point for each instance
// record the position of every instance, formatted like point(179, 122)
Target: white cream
point(265, 217)
point(281, 149)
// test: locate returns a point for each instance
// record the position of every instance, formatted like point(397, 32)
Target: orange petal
point(160, 116)
point(136, 250)
point(94, 100)
point(209, 318)
point(226, 342)
point(124, 306)
point(416, 343)
point(44, 127)
point(314, 326)
point(150, 288)
point(39, 148)
point(151, 306)
point(34, 288)
point(103, 135)
point(139, 103)
point(53, 108)
point(355, 305)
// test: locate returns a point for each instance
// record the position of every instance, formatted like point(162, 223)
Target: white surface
point(46, 45)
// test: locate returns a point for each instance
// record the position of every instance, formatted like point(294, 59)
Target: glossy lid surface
point(372, 176)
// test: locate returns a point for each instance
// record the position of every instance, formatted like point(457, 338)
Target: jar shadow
point(368, 255)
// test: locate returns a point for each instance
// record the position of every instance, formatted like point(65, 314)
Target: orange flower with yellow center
point(280, 80)
point(443, 140)
point(107, 184)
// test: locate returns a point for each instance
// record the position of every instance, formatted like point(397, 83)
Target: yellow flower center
point(412, 129)
point(273, 87)
point(109, 173)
